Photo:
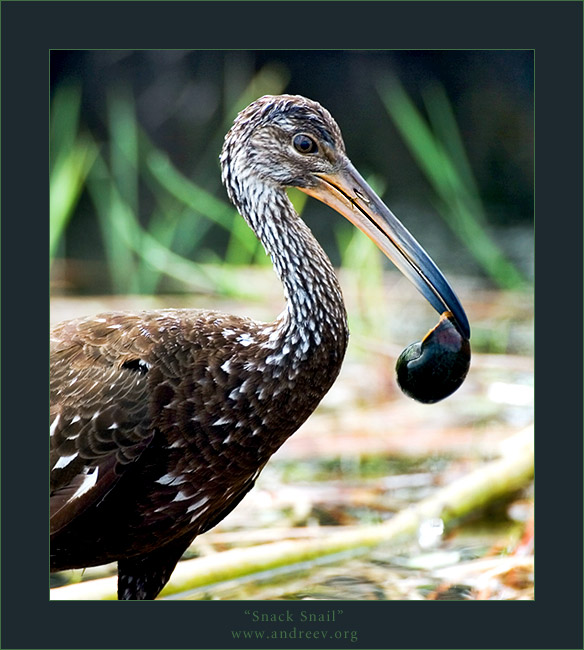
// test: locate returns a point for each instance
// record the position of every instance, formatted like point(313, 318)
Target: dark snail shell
point(432, 369)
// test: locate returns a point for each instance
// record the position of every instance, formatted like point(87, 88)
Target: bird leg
point(143, 577)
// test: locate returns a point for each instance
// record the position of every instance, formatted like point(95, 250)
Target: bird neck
point(314, 302)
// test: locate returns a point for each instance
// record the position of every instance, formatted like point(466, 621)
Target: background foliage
point(137, 204)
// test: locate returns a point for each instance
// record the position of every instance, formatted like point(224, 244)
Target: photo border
point(29, 31)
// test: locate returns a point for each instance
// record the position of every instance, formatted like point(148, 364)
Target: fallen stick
point(490, 482)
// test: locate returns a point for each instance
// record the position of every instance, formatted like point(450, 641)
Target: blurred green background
point(137, 205)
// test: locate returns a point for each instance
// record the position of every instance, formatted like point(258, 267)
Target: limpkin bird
point(162, 421)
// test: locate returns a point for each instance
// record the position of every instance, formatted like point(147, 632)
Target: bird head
point(290, 141)
point(284, 140)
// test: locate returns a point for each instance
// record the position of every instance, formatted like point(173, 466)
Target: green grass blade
point(124, 165)
point(64, 116)
point(67, 180)
point(441, 156)
point(71, 157)
point(444, 125)
point(112, 218)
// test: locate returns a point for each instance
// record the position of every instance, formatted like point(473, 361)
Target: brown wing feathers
point(99, 412)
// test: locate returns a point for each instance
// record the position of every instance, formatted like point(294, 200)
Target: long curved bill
point(348, 193)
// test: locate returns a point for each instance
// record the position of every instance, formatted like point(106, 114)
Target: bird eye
point(304, 144)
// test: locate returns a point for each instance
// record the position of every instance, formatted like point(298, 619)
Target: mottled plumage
point(162, 421)
point(174, 412)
